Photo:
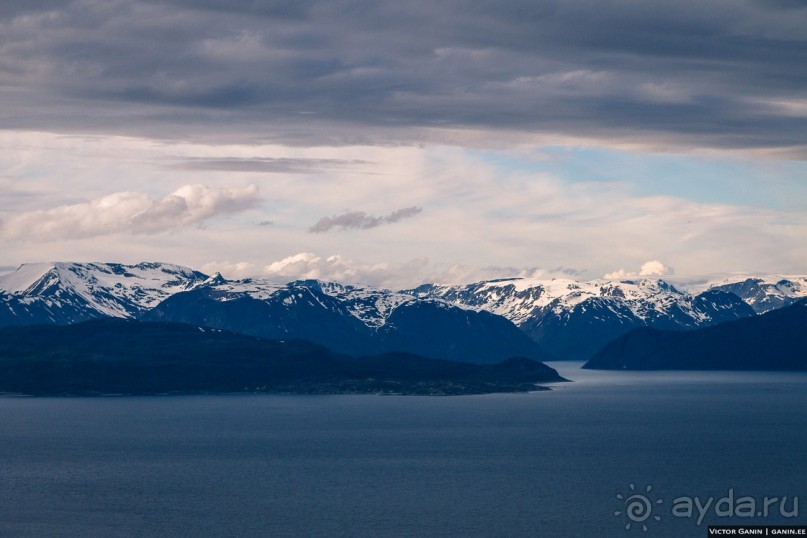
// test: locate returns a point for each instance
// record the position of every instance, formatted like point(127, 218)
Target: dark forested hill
point(773, 341)
point(116, 356)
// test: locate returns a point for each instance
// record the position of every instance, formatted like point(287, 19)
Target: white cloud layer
point(397, 275)
point(129, 212)
point(305, 265)
point(651, 269)
point(231, 270)
point(489, 214)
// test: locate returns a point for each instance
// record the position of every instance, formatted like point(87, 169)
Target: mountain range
point(345, 319)
point(573, 319)
point(482, 322)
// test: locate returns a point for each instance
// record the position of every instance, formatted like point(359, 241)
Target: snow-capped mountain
point(766, 293)
point(372, 306)
point(348, 319)
point(573, 319)
point(72, 292)
point(567, 318)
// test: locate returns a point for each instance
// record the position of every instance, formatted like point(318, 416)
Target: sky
point(391, 143)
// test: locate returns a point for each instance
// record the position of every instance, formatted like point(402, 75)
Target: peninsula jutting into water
point(128, 357)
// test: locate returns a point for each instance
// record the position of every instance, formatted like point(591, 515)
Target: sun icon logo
point(638, 507)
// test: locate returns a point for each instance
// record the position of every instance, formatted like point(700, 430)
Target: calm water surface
point(542, 464)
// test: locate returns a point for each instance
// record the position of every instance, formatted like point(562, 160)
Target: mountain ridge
point(566, 318)
point(573, 319)
point(94, 290)
point(362, 322)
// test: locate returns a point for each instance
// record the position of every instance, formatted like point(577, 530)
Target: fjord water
point(541, 464)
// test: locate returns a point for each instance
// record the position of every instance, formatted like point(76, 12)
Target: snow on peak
point(522, 299)
point(765, 292)
point(257, 288)
point(371, 306)
point(111, 289)
point(119, 290)
point(24, 277)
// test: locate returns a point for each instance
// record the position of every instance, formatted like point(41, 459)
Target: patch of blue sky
point(757, 182)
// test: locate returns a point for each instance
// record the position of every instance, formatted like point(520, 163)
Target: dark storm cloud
point(359, 220)
point(14, 8)
point(265, 165)
point(716, 74)
point(290, 9)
